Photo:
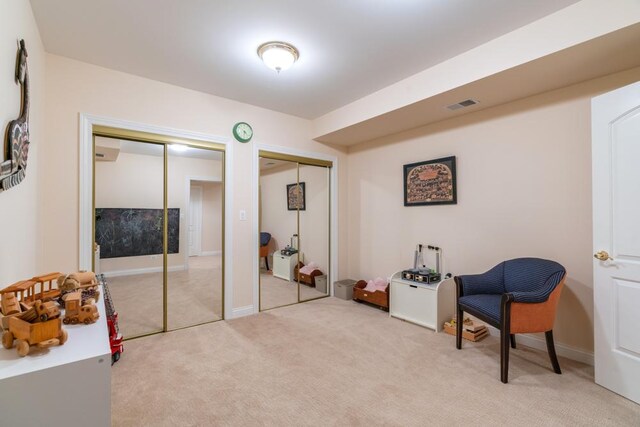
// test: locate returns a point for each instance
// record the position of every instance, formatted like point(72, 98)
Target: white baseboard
point(561, 349)
point(134, 271)
point(242, 311)
point(210, 253)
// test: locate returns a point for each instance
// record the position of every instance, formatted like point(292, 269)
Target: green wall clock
point(242, 132)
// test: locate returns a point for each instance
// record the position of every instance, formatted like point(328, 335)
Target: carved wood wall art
point(14, 166)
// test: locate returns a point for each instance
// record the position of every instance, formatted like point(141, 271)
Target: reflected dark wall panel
point(135, 232)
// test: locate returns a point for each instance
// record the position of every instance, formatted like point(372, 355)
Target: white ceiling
point(268, 164)
point(348, 48)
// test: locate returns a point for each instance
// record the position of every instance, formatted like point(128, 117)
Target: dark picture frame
point(292, 203)
point(432, 182)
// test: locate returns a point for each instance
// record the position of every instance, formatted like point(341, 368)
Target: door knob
point(602, 256)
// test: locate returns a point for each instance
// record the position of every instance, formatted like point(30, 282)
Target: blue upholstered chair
point(516, 296)
point(265, 238)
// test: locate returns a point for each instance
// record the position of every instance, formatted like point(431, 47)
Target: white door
point(195, 221)
point(616, 234)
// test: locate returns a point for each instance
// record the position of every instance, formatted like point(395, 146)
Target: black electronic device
point(421, 275)
point(288, 251)
point(409, 274)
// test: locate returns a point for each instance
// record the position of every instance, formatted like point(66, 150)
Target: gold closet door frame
point(165, 140)
point(299, 160)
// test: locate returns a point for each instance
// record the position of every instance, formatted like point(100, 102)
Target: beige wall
point(211, 216)
point(136, 181)
point(20, 231)
point(74, 87)
point(276, 219)
point(524, 189)
point(283, 223)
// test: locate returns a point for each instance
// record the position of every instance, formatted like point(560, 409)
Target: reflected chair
point(265, 238)
point(516, 296)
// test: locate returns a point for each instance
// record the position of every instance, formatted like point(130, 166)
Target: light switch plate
point(243, 215)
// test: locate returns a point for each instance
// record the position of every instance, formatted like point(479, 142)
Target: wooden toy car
point(46, 310)
point(41, 334)
point(75, 312)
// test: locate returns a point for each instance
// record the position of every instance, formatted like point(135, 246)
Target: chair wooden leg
point(505, 336)
point(459, 321)
point(513, 340)
point(504, 356)
point(551, 348)
point(266, 261)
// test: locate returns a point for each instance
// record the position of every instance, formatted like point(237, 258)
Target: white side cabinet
point(283, 265)
point(428, 305)
point(64, 385)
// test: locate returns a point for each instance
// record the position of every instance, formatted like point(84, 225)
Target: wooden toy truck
point(75, 312)
point(41, 334)
point(38, 312)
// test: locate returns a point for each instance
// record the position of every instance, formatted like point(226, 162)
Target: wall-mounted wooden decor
point(14, 166)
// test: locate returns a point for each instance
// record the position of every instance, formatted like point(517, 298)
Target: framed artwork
point(430, 183)
point(296, 197)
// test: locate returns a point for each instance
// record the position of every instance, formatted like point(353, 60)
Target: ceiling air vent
point(462, 104)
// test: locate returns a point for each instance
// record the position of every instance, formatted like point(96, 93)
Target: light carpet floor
point(340, 363)
point(194, 297)
point(276, 292)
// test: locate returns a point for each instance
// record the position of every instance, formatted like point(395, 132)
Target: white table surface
point(84, 342)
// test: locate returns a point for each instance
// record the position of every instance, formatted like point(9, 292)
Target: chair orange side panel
point(527, 318)
point(264, 251)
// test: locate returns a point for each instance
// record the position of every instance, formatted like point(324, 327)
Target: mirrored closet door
point(294, 223)
point(278, 234)
point(314, 227)
point(159, 229)
point(129, 223)
point(194, 271)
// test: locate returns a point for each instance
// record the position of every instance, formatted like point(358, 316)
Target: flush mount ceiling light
point(178, 148)
point(278, 55)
